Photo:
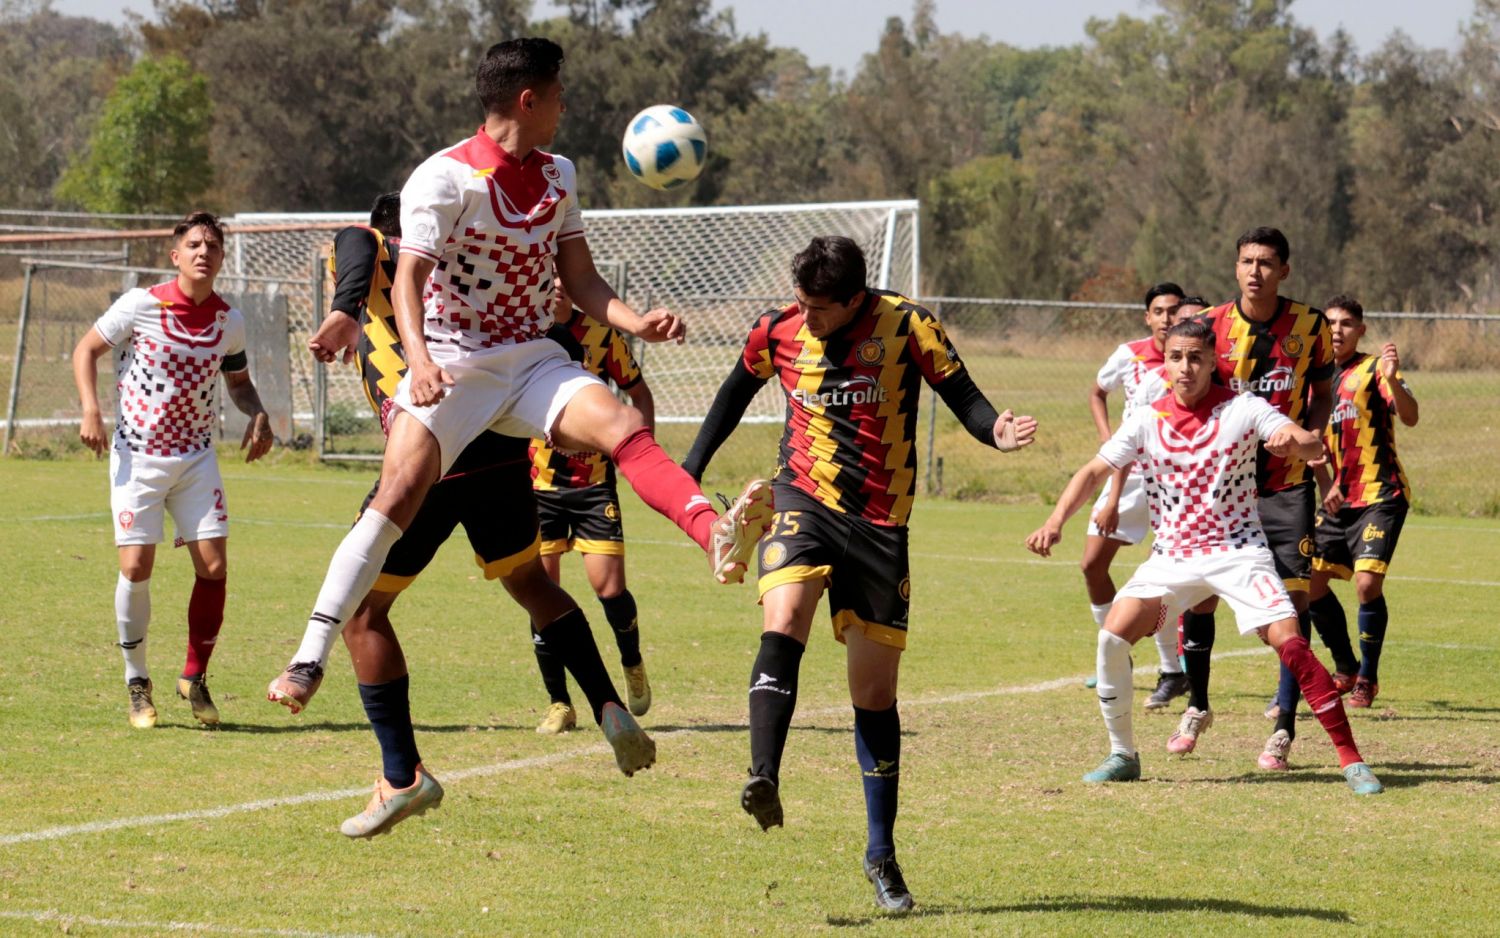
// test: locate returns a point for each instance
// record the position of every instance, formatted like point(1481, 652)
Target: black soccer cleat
point(891, 893)
point(1168, 687)
point(761, 799)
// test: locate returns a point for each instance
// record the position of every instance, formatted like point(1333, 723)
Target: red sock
point(1317, 688)
point(205, 618)
point(664, 485)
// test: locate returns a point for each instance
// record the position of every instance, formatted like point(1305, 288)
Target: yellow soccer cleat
point(195, 692)
point(390, 806)
point(558, 719)
point(142, 710)
point(637, 689)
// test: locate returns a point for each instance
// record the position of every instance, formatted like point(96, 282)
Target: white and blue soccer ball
point(665, 146)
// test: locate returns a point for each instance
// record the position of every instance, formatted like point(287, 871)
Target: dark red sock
point(205, 618)
point(1317, 689)
point(664, 485)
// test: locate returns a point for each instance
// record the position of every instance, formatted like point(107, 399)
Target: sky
point(838, 32)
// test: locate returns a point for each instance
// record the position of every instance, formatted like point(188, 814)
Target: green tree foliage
point(58, 70)
point(149, 150)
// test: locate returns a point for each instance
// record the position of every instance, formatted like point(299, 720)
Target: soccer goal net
point(718, 267)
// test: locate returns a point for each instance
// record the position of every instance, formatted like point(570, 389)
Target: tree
point(149, 150)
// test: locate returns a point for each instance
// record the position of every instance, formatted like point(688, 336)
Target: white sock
point(132, 616)
point(353, 570)
point(1116, 695)
point(1166, 648)
point(1100, 613)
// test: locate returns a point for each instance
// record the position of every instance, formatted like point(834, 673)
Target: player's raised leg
point(410, 467)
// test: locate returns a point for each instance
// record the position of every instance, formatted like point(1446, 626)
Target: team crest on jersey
point(127, 518)
point(773, 556)
point(1351, 383)
point(1305, 546)
point(905, 589)
point(871, 352)
point(1292, 346)
point(612, 511)
point(552, 173)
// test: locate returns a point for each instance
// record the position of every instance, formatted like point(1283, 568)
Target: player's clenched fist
point(429, 383)
point(91, 432)
point(1042, 540)
point(662, 325)
point(1012, 432)
point(339, 332)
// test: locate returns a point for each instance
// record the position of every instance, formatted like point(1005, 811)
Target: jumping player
point(851, 361)
point(484, 223)
point(579, 509)
point(1279, 350)
point(171, 342)
point(1198, 450)
point(1120, 517)
point(488, 491)
point(1366, 494)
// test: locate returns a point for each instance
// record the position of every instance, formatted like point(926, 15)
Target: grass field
point(108, 831)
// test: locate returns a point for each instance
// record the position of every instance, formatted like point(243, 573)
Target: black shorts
point(496, 508)
point(1287, 517)
point(1358, 539)
point(864, 564)
point(587, 519)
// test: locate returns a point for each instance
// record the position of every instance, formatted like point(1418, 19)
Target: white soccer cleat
point(736, 532)
point(1194, 722)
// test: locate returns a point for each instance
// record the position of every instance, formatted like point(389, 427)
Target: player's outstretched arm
point(1108, 516)
point(86, 355)
point(598, 300)
point(1012, 433)
point(730, 403)
point(1078, 492)
point(1294, 441)
point(258, 438)
point(427, 379)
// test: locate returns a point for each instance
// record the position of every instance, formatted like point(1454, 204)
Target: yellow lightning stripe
point(383, 355)
point(893, 428)
point(820, 444)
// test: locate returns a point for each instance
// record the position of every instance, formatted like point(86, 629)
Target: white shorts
point(143, 488)
point(1135, 514)
point(1244, 577)
point(516, 390)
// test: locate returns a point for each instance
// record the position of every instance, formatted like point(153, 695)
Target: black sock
point(554, 677)
point(619, 611)
point(570, 638)
point(389, 711)
point(1373, 618)
point(1333, 628)
point(1197, 647)
point(773, 697)
point(877, 745)
point(1288, 693)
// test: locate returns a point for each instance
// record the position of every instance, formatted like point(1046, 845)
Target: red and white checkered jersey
point(1126, 368)
point(491, 223)
point(1199, 468)
point(169, 350)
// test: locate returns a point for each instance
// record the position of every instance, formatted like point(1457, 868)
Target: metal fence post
point(15, 373)
point(320, 372)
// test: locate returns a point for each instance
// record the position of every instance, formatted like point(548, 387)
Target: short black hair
point(1346, 302)
point(385, 214)
point(1194, 329)
point(196, 219)
point(512, 66)
point(1165, 288)
point(1194, 300)
point(1270, 237)
point(830, 266)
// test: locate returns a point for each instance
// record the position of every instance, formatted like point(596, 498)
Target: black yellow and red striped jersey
point(1275, 360)
point(607, 354)
point(851, 416)
point(363, 264)
point(1361, 435)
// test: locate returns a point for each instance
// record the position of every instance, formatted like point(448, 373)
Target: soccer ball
point(665, 146)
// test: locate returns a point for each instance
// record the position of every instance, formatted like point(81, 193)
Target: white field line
point(514, 765)
point(67, 920)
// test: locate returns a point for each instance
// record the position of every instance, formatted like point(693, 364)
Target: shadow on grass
point(327, 727)
point(1117, 904)
point(1391, 775)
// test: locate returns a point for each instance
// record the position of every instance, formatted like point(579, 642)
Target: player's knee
point(1368, 586)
